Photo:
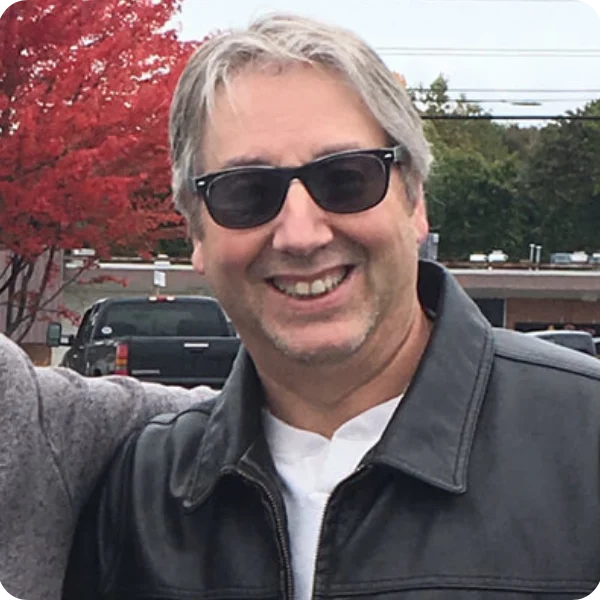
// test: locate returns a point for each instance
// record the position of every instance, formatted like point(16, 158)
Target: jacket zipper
point(358, 473)
point(280, 531)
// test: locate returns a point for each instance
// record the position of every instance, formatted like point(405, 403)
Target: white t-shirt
point(310, 467)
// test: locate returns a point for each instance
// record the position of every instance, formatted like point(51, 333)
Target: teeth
point(310, 288)
point(302, 288)
point(318, 287)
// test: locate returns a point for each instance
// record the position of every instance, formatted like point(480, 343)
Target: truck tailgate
point(186, 361)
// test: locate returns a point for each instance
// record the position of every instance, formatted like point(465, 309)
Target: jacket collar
point(430, 435)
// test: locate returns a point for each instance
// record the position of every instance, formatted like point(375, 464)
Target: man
point(377, 438)
point(57, 434)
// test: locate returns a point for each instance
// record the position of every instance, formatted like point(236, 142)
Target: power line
point(482, 49)
point(507, 1)
point(519, 100)
point(510, 117)
point(511, 90)
point(491, 52)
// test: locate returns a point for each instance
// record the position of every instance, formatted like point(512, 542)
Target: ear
point(419, 218)
point(198, 257)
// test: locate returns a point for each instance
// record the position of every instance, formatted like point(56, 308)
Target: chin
point(321, 353)
point(322, 343)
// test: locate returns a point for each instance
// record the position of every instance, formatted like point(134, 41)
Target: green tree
point(562, 183)
point(472, 192)
point(455, 129)
point(476, 204)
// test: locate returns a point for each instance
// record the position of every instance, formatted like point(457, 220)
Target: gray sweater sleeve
point(78, 421)
point(84, 420)
point(58, 431)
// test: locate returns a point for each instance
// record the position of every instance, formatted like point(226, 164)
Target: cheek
point(230, 253)
point(385, 232)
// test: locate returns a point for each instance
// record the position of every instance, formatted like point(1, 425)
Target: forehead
point(288, 114)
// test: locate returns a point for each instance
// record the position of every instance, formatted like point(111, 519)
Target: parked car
point(478, 257)
point(177, 340)
point(579, 258)
point(597, 346)
point(574, 258)
point(576, 340)
point(497, 256)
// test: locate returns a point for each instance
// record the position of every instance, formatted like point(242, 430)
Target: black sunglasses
point(346, 182)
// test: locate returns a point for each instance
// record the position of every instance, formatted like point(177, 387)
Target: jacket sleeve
point(100, 540)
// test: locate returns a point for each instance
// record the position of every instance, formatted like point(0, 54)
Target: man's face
point(360, 268)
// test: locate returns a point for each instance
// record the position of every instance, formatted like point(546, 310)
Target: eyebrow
point(245, 161)
point(336, 148)
point(257, 160)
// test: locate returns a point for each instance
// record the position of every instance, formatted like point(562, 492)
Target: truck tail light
point(122, 359)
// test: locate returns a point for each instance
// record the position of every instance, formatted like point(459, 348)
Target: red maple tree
point(85, 87)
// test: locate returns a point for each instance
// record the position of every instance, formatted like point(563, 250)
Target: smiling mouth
point(314, 288)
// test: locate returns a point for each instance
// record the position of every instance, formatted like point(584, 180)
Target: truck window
point(163, 319)
point(84, 331)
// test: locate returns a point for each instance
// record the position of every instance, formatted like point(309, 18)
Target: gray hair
point(281, 40)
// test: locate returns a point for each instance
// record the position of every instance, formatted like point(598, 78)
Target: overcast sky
point(564, 29)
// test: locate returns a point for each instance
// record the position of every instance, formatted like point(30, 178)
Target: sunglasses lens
point(347, 184)
point(245, 198)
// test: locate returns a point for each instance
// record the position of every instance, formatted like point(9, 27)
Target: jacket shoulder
point(543, 381)
point(197, 413)
point(170, 439)
point(546, 356)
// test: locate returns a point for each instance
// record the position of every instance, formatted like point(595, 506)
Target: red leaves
point(84, 119)
point(85, 87)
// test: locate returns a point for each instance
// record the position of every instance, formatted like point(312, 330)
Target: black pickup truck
point(175, 340)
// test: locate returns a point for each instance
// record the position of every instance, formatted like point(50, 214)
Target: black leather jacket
point(486, 484)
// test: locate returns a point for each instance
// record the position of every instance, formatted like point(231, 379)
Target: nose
point(302, 226)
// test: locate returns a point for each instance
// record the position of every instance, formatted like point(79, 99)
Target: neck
point(321, 398)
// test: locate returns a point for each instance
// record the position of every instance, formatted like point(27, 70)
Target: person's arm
point(86, 419)
point(58, 432)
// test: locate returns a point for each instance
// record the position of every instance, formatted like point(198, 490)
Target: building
point(517, 296)
point(522, 296)
point(525, 298)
